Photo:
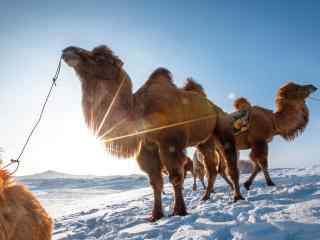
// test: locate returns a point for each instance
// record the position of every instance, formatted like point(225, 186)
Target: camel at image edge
point(155, 124)
point(21, 214)
point(289, 120)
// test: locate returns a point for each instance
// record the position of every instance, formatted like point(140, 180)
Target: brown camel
point(289, 121)
point(21, 214)
point(198, 170)
point(155, 124)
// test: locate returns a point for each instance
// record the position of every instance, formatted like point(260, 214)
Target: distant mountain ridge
point(50, 174)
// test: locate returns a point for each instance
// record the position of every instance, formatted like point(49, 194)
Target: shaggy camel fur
point(21, 214)
point(289, 121)
point(155, 124)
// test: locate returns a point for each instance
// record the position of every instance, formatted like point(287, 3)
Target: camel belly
point(242, 141)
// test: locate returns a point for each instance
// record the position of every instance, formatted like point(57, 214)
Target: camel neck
point(290, 118)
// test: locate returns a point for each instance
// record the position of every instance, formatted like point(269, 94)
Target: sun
point(86, 154)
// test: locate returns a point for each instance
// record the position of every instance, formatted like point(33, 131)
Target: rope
point(17, 161)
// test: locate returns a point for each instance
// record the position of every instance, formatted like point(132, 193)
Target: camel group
point(159, 121)
point(156, 125)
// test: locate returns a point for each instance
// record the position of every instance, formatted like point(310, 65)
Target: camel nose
point(312, 88)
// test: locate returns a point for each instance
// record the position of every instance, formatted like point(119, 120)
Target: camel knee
point(176, 177)
point(156, 183)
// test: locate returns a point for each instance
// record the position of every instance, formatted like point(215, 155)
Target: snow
point(118, 208)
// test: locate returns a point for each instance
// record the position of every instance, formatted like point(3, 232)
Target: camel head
point(106, 88)
point(292, 114)
point(98, 64)
point(295, 92)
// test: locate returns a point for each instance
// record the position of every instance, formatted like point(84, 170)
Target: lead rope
point(17, 160)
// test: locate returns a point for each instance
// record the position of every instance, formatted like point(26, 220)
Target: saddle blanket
point(240, 121)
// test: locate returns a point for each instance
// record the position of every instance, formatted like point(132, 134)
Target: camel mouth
point(71, 56)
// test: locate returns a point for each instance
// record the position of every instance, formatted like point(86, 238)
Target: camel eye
point(100, 59)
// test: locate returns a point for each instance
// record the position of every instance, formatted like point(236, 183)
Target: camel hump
point(192, 85)
point(161, 75)
point(241, 104)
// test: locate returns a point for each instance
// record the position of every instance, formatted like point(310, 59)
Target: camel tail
point(241, 104)
point(192, 85)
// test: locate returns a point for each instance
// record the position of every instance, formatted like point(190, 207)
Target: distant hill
point(50, 174)
point(245, 166)
point(54, 175)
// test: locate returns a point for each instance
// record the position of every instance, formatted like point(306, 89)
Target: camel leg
point(225, 177)
point(207, 149)
point(256, 169)
point(149, 162)
point(259, 155)
point(263, 163)
point(173, 158)
point(194, 186)
point(231, 160)
point(202, 181)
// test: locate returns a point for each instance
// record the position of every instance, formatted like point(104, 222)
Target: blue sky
point(241, 48)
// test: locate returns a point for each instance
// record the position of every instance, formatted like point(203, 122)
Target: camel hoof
point(205, 198)
point(237, 198)
point(271, 184)
point(247, 185)
point(155, 217)
point(180, 212)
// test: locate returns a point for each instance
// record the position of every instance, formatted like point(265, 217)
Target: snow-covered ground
point(118, 207)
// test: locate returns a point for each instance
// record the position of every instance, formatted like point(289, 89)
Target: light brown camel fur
point(21, 214)
point(289, 120)
point(155, 124)
point(199, 171)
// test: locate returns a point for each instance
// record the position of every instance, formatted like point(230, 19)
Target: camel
point(188, 167)
point(155, 124)
point(289, 120)
point(198, 170)
point(21, 214)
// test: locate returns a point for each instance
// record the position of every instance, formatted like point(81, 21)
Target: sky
point(233, 48)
